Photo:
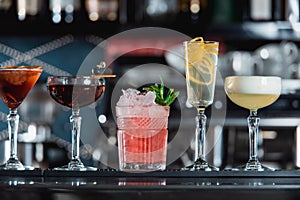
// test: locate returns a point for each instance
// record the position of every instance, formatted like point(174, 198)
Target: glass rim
point(130, 106)
point(253, 76)
point(76, 80)
point(31, 68)
point(75, 77)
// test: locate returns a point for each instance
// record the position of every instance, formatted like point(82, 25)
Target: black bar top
point(169, 184)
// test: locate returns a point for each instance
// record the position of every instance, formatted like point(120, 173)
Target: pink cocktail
point(142, 136)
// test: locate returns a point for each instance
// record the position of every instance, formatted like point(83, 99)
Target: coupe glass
point(253, 93)
point(75, 92)
point(200, 68)
point(15, 84)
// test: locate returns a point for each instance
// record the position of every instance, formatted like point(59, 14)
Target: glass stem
point(253, 124)
point(75, 119)
point(13, 124)
point(200, 135)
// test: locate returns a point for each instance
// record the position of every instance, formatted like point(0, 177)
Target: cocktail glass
point(253, 93)
point(75, 92)
point(200, 68)
point(15, 84)
point(142, 137)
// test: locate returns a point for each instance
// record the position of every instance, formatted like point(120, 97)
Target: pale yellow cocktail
point(252, 101)
point(253, 93)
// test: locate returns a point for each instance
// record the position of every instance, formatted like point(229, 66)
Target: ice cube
point(133, 97)
point(149, 98)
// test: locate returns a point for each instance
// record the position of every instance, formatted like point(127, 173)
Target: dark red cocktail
point(75, 95)
point(75, 92)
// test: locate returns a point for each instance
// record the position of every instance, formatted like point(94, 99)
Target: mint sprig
point(161, 98)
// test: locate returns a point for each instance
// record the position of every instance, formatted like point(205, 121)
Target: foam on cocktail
point(253, 85)
point(253, 92)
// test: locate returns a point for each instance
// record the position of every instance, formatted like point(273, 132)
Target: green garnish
point(161, 98)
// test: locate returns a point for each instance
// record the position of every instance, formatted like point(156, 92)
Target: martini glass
point(75, 92)
point(253, 93)
point(200, 68)
point(15, 84)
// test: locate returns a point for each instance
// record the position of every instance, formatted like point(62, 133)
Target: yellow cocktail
point(253, 93)
point(200, 68)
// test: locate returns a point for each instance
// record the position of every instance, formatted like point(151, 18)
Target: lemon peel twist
point(200, 58)
point(198, 39)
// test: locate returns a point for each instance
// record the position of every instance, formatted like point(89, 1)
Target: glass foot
point(15, 164)
point(200, 165)
point(67, 168)
point(253, 165)
point(75, 165)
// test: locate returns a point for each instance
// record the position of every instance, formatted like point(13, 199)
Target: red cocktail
point(15, 84)
point(142, 132)
point(142, 137)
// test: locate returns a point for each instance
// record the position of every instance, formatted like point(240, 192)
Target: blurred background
point(257, 37)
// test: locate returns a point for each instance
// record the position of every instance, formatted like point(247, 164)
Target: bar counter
point(169, 184)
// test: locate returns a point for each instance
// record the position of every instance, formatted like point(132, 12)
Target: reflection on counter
point(142, 182)
point(160, 179)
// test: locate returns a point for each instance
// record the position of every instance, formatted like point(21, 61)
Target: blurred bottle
point(195, 10)
point(279, 10)
point(160, 10)
point(292, 12)
point(260, 10)
point(7, 12)
point(64, 10)
point(5, 5)
point(27, 8)
point(104, 10)
point(271, 10)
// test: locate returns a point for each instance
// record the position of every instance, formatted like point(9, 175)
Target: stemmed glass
point(253, 93)
point(200, 67)
point(15, 84)
point(75, 92)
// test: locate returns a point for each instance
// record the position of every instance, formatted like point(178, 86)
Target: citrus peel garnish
point(201, 58)
point(198, 39)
